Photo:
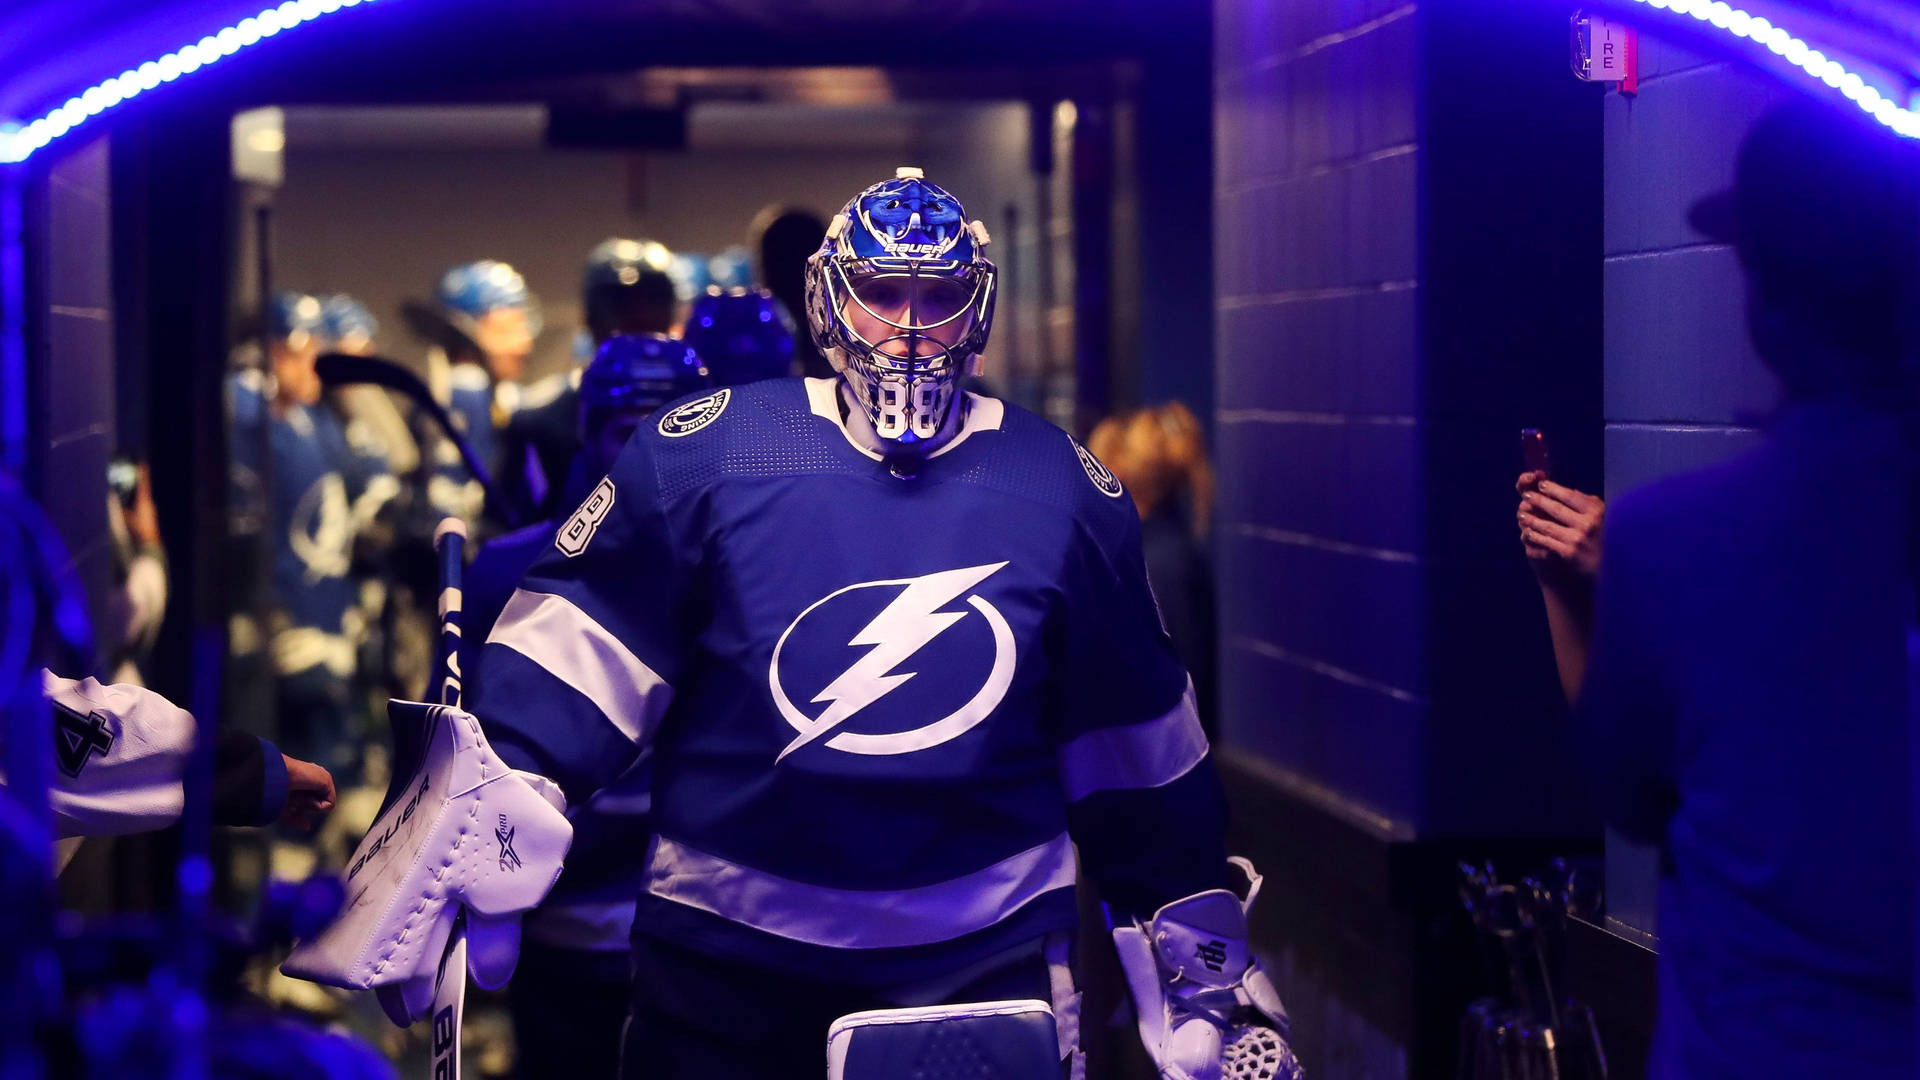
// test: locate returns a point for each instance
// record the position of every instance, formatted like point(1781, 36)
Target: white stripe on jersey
point(1134, 756)
point(859, 919)
point(550, 631)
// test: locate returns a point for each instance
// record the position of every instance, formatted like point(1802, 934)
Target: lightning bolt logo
point(902, 629)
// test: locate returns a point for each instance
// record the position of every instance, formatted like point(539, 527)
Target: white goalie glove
point(1206, 1009)
point(461, 834)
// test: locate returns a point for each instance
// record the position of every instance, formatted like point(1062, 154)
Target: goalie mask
point(900, 300)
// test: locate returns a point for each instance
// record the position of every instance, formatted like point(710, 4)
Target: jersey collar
point(983, 414)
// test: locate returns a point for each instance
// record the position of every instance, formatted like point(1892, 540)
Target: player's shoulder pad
point(1096, 496)
point(471, 379)
point(514, 549)
point(697, 439)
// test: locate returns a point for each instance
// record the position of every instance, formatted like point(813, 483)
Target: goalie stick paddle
point(339, 369)
point(449, 994)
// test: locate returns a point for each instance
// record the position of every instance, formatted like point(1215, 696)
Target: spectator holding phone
point(1561, 529)
point(1744, 701)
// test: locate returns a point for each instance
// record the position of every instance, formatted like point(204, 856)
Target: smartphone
point(1533, 451)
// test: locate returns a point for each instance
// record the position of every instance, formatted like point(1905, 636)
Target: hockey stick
point(449, 995)
point(336, 369)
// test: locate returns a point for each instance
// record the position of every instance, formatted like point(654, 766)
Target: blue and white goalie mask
point(900, 300)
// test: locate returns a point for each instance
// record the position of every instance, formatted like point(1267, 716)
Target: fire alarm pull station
point(1606, 50)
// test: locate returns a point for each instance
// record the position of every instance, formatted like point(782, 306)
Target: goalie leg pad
point(463, 832)
point(1009, 1040)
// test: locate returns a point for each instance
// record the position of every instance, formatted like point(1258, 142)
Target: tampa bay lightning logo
point(1101, 476)
point(321, 532)
point(913, 219)
point(695, 414)
point(910, 621)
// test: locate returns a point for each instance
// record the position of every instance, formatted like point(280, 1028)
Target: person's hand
point(309, 793)
point(143, 519)
point(1560, 527)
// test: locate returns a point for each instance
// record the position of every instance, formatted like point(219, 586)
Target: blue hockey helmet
point(480, 287)
point(640, 371)
point(620, 262)
point(743, 334)
point(295, 317)
point(629, 288)
point(347, 324)
point(690, 276)
point(900, 300)
point(732, 268)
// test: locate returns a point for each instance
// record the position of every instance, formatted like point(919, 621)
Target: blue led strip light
point(19, 142)
point(1742, 24)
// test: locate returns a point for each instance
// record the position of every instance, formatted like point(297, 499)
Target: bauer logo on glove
point(465, 834)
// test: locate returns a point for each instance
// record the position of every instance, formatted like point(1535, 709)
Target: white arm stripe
point(1150, 754)
point(859, 919)
point(550, 631)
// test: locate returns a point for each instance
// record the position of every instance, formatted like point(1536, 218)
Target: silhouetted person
point(1744, 703)
point(785, 237)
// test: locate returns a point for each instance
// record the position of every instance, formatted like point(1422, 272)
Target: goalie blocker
point(459, 834)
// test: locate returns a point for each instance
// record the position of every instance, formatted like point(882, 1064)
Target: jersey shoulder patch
point(1103, 479)
point(688, 417)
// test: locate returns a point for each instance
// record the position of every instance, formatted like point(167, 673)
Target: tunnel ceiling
point(451, 50)
point(420, 49)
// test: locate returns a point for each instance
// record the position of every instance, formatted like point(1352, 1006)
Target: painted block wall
point(1319, 532)
point(1683, 385)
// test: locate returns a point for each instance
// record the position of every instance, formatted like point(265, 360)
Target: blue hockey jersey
point(310, 524)
point(883, 710)
point(451, 489)
point(591, 906)
point(543, 434)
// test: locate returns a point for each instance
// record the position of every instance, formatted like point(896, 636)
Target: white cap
point(908, 172)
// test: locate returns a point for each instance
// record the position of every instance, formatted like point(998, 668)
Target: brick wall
point(1683, 385)
point(1407, 241)
point(1317, 392)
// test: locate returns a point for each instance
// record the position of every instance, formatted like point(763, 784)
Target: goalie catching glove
point(461, 833)
point(1207, 1010)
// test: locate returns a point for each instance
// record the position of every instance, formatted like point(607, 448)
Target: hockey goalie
point(888, 650)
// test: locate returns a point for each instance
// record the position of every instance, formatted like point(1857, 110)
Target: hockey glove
point(462, 833)
point(1207, 1010)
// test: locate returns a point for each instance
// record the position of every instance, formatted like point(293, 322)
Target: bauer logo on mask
point(913, 219)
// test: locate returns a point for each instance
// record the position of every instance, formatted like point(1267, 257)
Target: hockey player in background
point(120, 758)
point(891, 651)
point(743, 334)
point(569, 992)
point(491, 320)
point(309, 525)
point(626, 289)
